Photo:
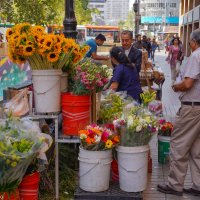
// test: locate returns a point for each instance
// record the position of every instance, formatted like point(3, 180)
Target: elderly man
point(185, 140)
point(134, 55)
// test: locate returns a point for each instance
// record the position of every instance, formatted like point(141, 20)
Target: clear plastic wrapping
point(18, 147)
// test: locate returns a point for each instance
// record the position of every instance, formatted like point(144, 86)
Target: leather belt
point(190, 103)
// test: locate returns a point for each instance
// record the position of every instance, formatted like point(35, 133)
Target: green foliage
point(129, 23)
point(83, 13)
point(40, 12)
point(110, 108)
point(43, 12)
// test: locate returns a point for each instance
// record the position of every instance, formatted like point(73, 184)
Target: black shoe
point(192, 191)
point(167, 190)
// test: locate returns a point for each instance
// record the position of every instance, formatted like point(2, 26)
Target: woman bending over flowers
point(125, 76)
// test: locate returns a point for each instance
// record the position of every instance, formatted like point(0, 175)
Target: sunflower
point(22, 39)
point(28, 42)
point(48, 43)
point(23, 27)
point(9, 33)
point(28, 50)
point(52, 56)
point(57, 48)
point(19, 50)
point(37, 29)
point(109, 144)
point(77, 57)
point(59, 38)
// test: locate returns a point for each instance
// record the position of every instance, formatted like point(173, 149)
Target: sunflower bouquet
point(40, 49)
point(96, 138)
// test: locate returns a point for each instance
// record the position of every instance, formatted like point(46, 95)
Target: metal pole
point(69, 22)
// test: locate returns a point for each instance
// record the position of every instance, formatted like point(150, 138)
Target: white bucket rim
point(137, 149)
point(82, 149)
point(47, 72)
point(164, 138)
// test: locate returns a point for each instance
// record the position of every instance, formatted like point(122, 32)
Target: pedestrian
point(134, 55)
point(174, 58)
point(185, 139)
point(138, 43)
point(93, 43)
point(154, 46)
point(146, 45)
point(125, 76)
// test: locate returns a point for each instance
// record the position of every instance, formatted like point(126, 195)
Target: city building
point(100, 5)
point(189, 21)
point(115, 11)
point(159, 16)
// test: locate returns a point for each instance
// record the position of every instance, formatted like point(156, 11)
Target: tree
point(43, 12)
point(39, 12)
point(83, 13)
point(129, 23)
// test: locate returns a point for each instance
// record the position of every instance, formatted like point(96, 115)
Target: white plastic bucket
point(64, 82)
point(133, 165)
point(46, 85)
point(94, 170)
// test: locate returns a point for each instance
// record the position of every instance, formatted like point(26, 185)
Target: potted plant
point(47, 54)
point(84, 78)
point(95, 157)
point(18, 147)
point(165, 129)
point(135, 133)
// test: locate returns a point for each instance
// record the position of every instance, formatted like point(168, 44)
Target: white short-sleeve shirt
point(192, 70)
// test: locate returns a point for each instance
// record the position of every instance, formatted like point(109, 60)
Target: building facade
point(100, 5)
point(115, 11)
point(159, 15)
point(111, 11)
point(189, 21)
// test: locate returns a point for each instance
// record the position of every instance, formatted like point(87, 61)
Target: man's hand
point(185, 85)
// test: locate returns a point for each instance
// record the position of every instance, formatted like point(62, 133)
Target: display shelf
point(59, 138)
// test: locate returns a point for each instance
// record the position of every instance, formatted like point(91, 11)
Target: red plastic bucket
point(12, 196)
point(29, 187)
point(114, 171)
point(76, 112)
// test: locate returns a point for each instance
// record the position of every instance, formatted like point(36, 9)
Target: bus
point(85, 32)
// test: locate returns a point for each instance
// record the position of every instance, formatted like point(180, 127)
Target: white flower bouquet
point(138, 127)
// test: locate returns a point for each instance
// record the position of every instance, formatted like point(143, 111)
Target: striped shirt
point(192, 70)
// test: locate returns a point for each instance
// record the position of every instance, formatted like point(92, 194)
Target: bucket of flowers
point(165, 129)
point(47, 55)
point(95, 157)
point(84, 78)
point(135, 133)
point(18, 147)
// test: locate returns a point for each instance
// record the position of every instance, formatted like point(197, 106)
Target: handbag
point(180, 56)
point(19, 104)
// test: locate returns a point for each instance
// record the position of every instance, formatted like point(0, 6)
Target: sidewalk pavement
point(159, 174)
